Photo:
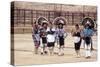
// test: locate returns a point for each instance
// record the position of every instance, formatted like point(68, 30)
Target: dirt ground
point(24, 52)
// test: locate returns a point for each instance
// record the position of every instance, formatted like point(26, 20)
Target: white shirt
point(76, 39)
point(50, 38)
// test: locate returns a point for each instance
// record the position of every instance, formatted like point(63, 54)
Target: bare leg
point(36, 50)
point(61, 51)
point(78, 53)
point(45, 48)
point(50, 50)
point(88, 51)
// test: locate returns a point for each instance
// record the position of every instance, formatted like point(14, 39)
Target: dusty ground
point(24, 52)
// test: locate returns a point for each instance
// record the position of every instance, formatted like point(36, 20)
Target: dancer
point(91, 24)
point(36, 37)
point(43, 37)
point(61, 36)
point(51, 38)
point(76, 33)
point(87, 34)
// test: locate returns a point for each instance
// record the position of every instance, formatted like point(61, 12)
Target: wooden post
point(24, 21)
point(72, 18)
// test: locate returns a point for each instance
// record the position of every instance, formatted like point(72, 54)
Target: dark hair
point(77, 25)
point(61, 25)
point(44, 24)
point(50, 22)
point(87, 25)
